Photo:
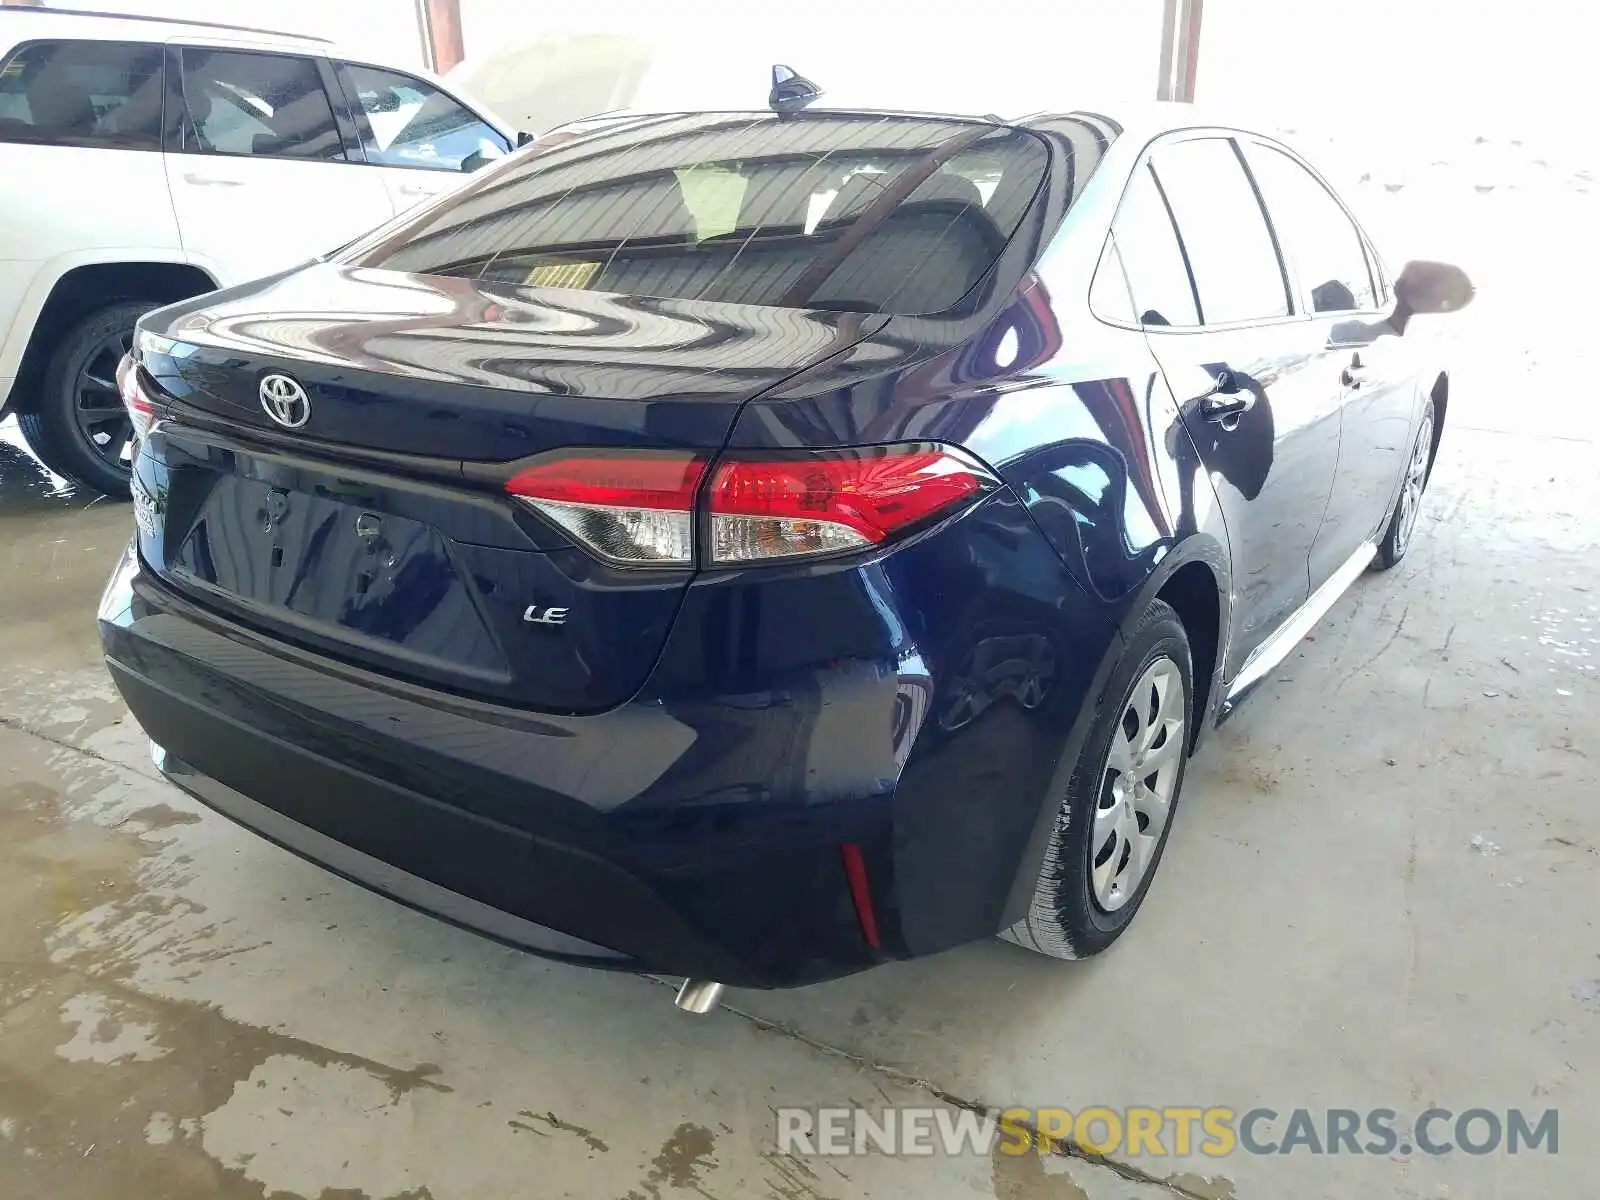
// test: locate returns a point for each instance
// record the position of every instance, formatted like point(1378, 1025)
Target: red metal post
point(1180, 50)
point(442, 42)
point(1191, 50)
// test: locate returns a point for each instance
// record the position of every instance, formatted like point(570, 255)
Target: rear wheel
point(1403, 522)
point(1119, 802)
point(80, 429)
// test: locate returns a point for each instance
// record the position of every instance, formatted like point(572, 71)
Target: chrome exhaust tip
point(698, 996)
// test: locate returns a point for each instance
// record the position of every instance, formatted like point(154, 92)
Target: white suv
point(145, 161)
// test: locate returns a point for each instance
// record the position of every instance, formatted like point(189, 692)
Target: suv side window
point(1163, 293)
point(272, 105)
point(104, 95)
point(405, 122)
point(1317, 233)
point(1232, 255)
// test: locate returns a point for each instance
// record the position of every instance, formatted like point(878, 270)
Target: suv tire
point(59, 430)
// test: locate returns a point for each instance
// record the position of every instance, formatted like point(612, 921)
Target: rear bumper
point(555, 834)
point(921, 707)
point(342, 859)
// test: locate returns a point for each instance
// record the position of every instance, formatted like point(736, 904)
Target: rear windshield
point(891, 214)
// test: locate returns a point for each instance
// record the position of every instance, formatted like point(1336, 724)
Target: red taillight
point(855, 873)
point(637, 507)
point(634, 507)
point(617, 479)
point(140, 410)
point(831, 501)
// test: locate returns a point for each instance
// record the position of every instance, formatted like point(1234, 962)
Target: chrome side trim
point(1286, 636)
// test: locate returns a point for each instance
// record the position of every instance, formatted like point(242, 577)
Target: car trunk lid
point(373, 529)
point(452, 368)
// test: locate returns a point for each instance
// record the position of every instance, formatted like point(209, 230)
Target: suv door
point(1379, 400)
point(423, 139)
point(74, 114)
point(1247, 373)
point(262, 177)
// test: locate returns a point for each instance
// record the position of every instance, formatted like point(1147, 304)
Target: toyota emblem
point(285, 401)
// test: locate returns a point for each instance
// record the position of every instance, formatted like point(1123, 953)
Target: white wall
point(1023, 54)
point(385, 29)
point(1457, 128)
point(1396, 65)
point(1499, 63)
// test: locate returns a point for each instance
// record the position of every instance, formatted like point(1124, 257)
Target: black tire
point(1402, 528)
point(1064, 919)
point(54, 430)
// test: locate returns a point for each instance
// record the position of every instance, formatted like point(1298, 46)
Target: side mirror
point(486, 153)
point(1432, 287)
point(523, 138)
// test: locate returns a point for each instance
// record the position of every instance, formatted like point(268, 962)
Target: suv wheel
point(1120, 799)
point(80, 429)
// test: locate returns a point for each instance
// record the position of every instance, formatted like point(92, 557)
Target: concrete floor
point(1382, 892)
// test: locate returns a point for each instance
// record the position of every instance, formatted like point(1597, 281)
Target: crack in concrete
point(419, 1077)
point(17, 725)
point(1058, 1146)
point(398, 1080)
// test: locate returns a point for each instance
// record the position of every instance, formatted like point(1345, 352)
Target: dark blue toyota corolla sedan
point(758, 546)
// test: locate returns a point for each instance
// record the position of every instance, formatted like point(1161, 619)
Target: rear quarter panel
point(1013, 623)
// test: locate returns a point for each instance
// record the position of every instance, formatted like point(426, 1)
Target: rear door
point(75, 114)
point(262, 177)
point(1247, 370)
point(422, 140)
point(1377, 393)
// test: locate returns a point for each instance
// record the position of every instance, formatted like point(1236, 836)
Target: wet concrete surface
point(1381, 892)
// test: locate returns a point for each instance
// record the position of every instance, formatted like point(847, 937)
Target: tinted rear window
point(97, 94)
point(850, 213)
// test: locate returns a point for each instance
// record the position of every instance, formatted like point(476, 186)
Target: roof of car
point(1144, 119)
point(1137, 120)
point(1147, 118)
point(139, 27)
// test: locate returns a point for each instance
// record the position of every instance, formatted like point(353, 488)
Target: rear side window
point(1316, 232)
point(96, 94)
point(1109, 296)
point(1152, 257)
point(855, 214)
point(405, 122)
point(270, 105)
point(1237, 275)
